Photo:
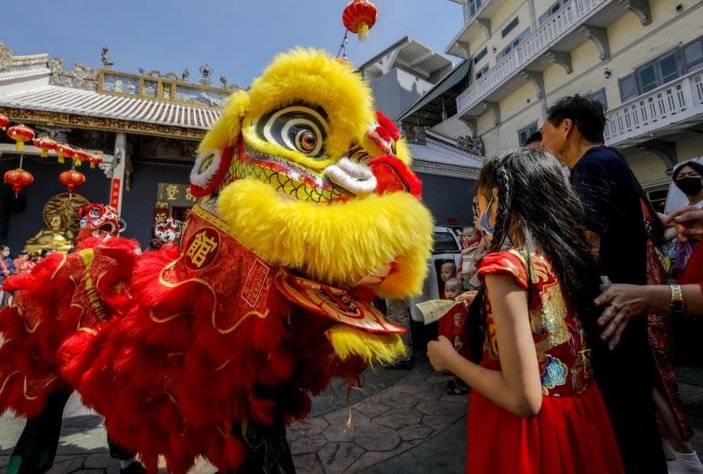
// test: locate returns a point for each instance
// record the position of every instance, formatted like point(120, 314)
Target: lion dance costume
point(308, 210)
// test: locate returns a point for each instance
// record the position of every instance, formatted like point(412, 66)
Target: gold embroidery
point(7, 379)
point(549, 320)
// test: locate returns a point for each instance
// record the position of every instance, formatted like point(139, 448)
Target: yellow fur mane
point(338, 242)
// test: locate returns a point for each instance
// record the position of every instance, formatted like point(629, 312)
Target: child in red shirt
point(451, 326)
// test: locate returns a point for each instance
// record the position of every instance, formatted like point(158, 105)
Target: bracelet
point(677, 303)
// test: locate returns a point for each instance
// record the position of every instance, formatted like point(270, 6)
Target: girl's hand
point(440, 353)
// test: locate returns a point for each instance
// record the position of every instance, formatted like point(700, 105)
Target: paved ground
point(399, 422)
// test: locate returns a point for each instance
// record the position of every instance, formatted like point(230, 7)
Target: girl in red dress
point(535, 407)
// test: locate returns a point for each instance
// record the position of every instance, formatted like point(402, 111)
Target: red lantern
point(94, 160)
point(71, 179)
point(4, 121)
point(64, 151)
point(80, 156)
point(20, 134)
point(45, 145)
point(359, 16)
point(18, 178)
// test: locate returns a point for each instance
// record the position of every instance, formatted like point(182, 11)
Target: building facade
point(406, 75)
point(643, 59)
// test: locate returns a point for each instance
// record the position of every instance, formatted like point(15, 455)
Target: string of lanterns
point(19, 178)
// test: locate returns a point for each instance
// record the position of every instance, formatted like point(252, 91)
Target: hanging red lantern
point(359, 16)
point(72, 179)
point(64, 151)
point(4, 121)
point(79, 156)
point(18, 178)
point(94, 160)
point(20, 134)
point(45, 145)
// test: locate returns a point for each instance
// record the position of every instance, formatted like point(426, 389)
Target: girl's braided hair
point(536, 201)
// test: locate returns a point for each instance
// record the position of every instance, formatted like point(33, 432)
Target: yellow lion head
point(289, 166)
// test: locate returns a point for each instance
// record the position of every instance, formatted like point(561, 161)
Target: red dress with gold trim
point(572, 432)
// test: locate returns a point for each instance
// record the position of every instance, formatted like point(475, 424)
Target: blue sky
point(237, 38)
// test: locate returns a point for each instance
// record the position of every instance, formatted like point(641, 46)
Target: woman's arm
point(516, 387)
point(625, 302)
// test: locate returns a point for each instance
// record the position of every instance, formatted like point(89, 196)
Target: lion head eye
point(297, 127)
point(305, 141)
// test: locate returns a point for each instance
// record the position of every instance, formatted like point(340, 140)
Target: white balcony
point(551, 43)
point(670, 109)
point(481, 20)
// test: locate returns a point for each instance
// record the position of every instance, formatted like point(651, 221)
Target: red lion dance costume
point(308, 209)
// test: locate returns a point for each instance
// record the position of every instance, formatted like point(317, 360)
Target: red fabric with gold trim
point(206, 329)
point(335, 303)
point(503, 262)
point(63, 297)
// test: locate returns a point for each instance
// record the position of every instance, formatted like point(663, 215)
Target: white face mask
point(5, 253)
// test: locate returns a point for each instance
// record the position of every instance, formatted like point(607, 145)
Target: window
point(524, 133)
point(659, 71)
point(512, 45)
point(553, 8)
point(511, 26)
point(481, 72)
point(669, 67)
point(692, 55)
point(481, 54)
point(647, 77)
point(628, 87)
point(599, 96)
point(471, 7)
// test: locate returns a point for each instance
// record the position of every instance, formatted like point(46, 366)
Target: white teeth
point(353, 177)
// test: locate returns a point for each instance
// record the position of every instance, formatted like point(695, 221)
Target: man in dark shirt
point(573, 132)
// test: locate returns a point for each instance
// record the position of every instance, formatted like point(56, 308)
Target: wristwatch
point(677, 303)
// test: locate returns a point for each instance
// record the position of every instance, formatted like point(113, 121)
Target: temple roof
point(39, 89)
point(81, 102)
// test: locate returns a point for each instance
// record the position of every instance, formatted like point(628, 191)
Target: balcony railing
point(671, 103)
point(559, 25)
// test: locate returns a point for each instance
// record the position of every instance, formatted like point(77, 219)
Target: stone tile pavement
point(398, 422)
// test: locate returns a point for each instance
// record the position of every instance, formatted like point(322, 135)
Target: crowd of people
point(574, 303)
point(564, 283)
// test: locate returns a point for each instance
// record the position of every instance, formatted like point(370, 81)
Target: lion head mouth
point(340, 181)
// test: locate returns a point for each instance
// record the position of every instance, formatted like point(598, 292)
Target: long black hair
point(535, 199)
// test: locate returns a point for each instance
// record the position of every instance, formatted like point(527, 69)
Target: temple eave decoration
point(101, 123)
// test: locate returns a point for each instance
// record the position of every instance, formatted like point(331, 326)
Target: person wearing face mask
point(7, 268)
point(688, 177)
